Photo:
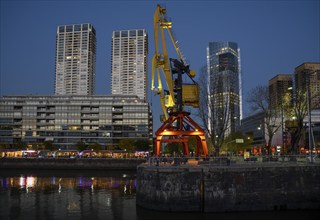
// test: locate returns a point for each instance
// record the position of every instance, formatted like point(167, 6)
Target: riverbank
point(72, 163)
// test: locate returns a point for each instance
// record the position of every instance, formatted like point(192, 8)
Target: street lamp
point(289, 89)
point(309, 116)
point(309, 113)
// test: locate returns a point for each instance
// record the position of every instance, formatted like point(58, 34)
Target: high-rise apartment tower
point(129, 69)
point(308, 74)
point(75, 60)
point(224, 86)
point(278, 87)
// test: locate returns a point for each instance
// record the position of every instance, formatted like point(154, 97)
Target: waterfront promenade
point(71, 163)
point(132, 163)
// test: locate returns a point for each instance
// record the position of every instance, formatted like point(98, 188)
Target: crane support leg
point(180, 132)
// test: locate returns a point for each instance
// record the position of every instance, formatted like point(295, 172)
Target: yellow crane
point(177, 124)
point(161, 64)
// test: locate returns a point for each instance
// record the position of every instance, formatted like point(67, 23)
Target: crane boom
point(161, 64)
point(160, 61)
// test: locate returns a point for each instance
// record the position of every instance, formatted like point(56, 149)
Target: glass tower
point(129, 69)
point(224, 86)
point(75, 60)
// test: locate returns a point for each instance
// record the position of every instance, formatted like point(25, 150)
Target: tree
point(295, 109)
point(143, 145)
point(4, 146)
point(81, 146)
point(216, 105)
point(20, 145)
point(173, 148)
point(192, 143)
point(111, 147)
point(95, 146)
point(231, 145)
point(48, 145)
point(127, 144)
point(259, 100)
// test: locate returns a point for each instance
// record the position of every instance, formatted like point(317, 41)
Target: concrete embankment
point(68, 163)
point(187, 188)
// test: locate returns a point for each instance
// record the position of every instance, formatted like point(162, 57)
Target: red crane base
point(184, 128)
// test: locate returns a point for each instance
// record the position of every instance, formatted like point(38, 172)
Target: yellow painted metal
point(161, 64)
point(160, 61)
point(191, 95)
point(192, 73)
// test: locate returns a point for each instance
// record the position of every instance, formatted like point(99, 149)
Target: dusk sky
point(274, 37)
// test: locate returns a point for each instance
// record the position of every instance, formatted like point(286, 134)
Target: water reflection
point(30, 183)
point(61, 195)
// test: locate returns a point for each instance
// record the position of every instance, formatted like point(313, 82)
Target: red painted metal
point(184, 128)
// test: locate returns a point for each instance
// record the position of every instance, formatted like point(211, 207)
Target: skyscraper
point(129, 71)
point(75, 60)
point(308, 74)
point(224, 86)
point(278, 87)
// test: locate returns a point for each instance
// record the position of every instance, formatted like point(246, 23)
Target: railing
point(232, 160)
point(205, 161)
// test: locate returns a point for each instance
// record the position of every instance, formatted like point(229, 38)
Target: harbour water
point(58, 194)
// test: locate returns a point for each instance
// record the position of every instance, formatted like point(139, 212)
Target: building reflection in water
point(34, 183)
point(67, 196)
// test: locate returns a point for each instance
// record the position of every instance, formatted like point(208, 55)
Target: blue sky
point(274, 37)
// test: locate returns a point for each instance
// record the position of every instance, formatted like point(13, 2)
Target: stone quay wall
point(70, 163)
point(186, 188)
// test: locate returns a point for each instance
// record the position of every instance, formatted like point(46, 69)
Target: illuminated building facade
point(224, 86)
point(67, 120)
point(309, 74)
point(75, 60)
point(278, 87)
point(129, 69)
point(254, 129)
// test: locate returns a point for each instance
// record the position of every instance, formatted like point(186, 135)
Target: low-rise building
point(253, 128)
point(67, 120)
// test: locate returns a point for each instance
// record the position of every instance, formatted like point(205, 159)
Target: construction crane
point(161, 63)
point(177, 124)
